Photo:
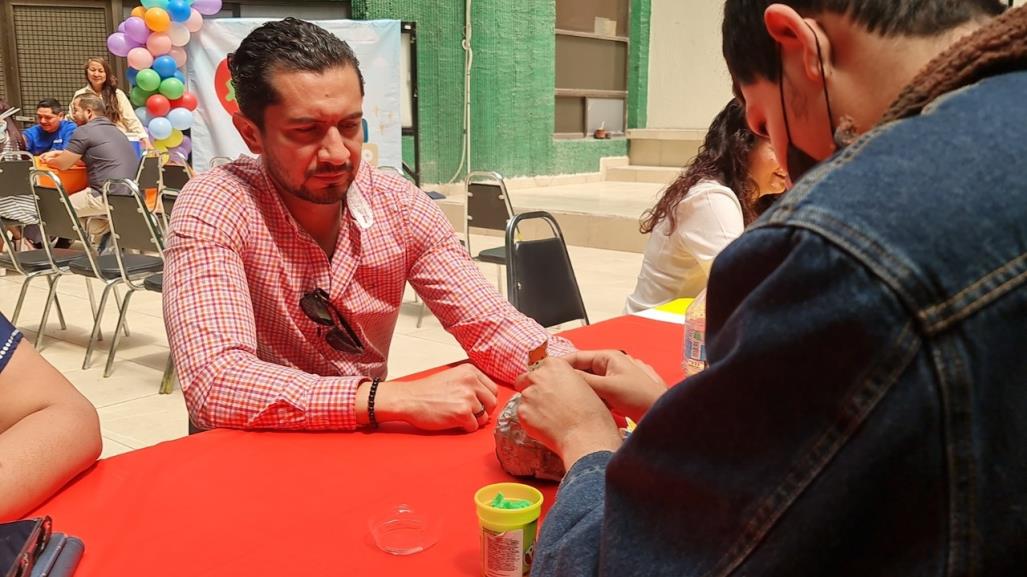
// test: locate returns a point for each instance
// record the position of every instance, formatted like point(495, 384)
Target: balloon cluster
point(153, 40)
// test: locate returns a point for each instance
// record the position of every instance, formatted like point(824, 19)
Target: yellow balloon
point(157, 19)
point(139, 12)
point(173, 140)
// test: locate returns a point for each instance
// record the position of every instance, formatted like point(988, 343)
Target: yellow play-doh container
point(507, 535)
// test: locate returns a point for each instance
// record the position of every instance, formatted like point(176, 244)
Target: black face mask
point(798, 161)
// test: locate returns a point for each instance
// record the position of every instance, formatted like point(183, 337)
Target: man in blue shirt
point(53, 132)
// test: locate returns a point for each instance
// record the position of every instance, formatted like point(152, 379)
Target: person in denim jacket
point(865, 409)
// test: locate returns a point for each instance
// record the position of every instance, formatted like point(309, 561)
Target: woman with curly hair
point(706, 208)
point(102, 83)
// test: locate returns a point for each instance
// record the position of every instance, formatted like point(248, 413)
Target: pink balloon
point(179, 34)
point(179, 55)
point(140, 58)
point(158, 43)
point(195, 21)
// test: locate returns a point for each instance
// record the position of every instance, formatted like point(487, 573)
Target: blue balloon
point(165, 66)
point(130, 74)
point(180, 76)
point(178, 10)
point(160, 128)
point(143, 115)
point(180, 118)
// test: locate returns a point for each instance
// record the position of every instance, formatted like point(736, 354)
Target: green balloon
point(148, 80)
point(172, 88)
point(138, 96)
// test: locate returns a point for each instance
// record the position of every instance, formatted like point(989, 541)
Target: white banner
point(376, 44)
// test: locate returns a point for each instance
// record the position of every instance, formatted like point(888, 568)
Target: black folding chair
point(540, 278)
point(57, 217)
point(14, 182)
point(155, 283)
point(133, 228)
point(175, 173)
point(488, 208)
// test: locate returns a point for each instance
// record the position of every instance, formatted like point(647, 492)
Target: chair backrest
point(57, 217)
point(175, 172)
point(540, 279)
point(488, 203)
point(14, 177)
point(167, 202)
point(149, 174)
point(218, 161)
point(133, 227)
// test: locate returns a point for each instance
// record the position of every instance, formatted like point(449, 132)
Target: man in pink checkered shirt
point(285, 274)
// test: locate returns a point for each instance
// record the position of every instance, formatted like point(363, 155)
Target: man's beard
point(328, 195)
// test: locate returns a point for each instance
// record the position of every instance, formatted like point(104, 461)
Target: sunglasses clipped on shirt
point(340, 336)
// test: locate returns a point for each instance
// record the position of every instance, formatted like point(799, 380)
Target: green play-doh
point(500, 502)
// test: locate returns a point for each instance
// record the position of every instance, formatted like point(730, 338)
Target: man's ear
point(798, 37)
point(249, 131)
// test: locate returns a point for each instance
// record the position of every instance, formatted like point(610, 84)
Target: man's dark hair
point(751, 53)
point(286, 45)
point(52, 104)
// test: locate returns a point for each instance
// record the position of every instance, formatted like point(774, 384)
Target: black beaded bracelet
point(370, 403)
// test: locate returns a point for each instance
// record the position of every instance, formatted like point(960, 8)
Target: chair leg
point(96, 325)
point(21, 299)
point(117, 299)
point(420, 315)
point(92, 301)
point(499, 278)
point(117, 332)
point(167, 382)
point(60, 312)
point(51, 295)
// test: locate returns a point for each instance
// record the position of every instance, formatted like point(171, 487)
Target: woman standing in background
point(119, 109)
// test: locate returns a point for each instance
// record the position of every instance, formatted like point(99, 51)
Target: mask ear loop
point(823, 79)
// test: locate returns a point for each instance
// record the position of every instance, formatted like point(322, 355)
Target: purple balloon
point(182, 150)
point(117, 45)
point(121, 27)
point(207, 7)
point(136, 29)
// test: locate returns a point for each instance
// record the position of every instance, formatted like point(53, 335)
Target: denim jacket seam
point(953, 386)
point(976, 295)
point(871, 255)
point(861, 401)
point(579, 473)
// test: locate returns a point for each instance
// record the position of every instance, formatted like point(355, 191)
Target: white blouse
point(678, 264)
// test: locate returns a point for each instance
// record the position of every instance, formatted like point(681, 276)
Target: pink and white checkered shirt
point(238, 264)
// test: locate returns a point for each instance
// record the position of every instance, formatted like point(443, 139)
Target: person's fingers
point(591, 361)
point(468, 422)
point(485, 380)
point(486, 397)
point(482, 417)
point(649, 370)
point(523, 381)
point(598, 383)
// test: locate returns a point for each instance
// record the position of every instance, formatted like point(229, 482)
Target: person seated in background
point(100, 82)
point(49, 432)
point(863, 408)
point(106, 153)
point(284, 274)
point(52, 132)
point(706, 208)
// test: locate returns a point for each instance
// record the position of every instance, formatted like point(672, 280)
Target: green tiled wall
point(512, 86)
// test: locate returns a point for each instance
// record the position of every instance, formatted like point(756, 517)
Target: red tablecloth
point(287, 504)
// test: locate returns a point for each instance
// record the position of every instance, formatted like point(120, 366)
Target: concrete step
point(588, 229)
point(643, 173)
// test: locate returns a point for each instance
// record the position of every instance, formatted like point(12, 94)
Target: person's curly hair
point(723, 157)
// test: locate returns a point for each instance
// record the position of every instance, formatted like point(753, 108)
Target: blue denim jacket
point(865, 408)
